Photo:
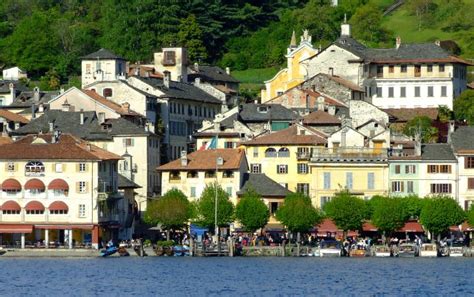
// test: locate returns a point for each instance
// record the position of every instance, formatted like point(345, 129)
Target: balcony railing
point(348, 153)
point(303, 155)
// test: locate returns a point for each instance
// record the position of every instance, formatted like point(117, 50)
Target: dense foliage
point(421, 125)
point(206, 207)
point(348, 212)
point(464, 107)
point(298, 214)
point(251, 211)
point(470, 216)
point(439, 213)
point(388, 214)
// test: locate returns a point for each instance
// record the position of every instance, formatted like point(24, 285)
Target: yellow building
point(284, 156)
point(295, 73)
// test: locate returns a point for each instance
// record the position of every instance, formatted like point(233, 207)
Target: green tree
point(172, 210)
point(388, 215)
point(464, 107)
point(348, 212)
point(251, 211)
point(441, 212)
point(412, 206)
point(367, 25)
point(298, 214)
point(470, 216)
point(50, 81)
point(190, 36)
point(423, 10)
point(421, 125)
point(206, 207)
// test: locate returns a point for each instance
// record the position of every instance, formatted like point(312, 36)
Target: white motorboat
point(428, 250)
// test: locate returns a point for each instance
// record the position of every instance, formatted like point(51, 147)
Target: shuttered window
point(397, 169)
point(468, 162)
point(470, 183)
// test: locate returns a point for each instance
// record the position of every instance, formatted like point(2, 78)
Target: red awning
point(412, 226)
point(34, 205)
point(58, 205)
point(58, 184)
point(11, 185)
point(34, 184)
point(368, 227)
point(11, 205)
point(15, 228)
point(327, 225)
point(64, 227)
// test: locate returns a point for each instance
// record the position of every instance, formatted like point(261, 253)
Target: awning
point(34, 205)
point(15, 228)
point(368, 227)
point(34, 184)
point(64, 227)
point(274, 227)
point(11, 205)
point(58, 184)
point(11, 185)
point(412, 226)
point(327, 226)
point(58, 205)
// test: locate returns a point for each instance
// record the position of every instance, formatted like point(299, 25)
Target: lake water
point(173, 276)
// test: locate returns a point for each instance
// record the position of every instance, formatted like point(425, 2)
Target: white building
point(102, 65)
point(14, 73)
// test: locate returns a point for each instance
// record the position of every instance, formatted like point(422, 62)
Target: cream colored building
point(102, 65)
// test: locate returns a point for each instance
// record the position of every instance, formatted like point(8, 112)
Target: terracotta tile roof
point(344, 82)
point(14, 117)
point(206, 160)
point(289, 136)
point(67, 148)
point(406, 114)
point(5, 140)
point(225, 89)
point(328, 100)
point(320, 117)
point(120, 109)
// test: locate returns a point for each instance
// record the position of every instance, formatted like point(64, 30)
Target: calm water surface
point(155, 276)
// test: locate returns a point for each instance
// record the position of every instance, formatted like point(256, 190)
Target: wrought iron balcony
point(353, 154)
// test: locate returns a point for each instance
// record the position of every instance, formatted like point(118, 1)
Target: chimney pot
point(196, 67)
point(227, 70)
point(36, 94)
point(126, 107)
point(81, 118)
point(398, 42)
point(166, 79)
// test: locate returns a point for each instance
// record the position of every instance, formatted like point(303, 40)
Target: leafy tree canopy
point(421, 125)
point(206, 207)
point(348, 212)
point(412, 206)
point(388, 214)
point(298, 214)
point(251, 211)
point(464, 107)
point(470, 216)
point(439, 213)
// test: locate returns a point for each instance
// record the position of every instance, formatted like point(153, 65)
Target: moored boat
point(330, 248)
point(408, 250)
point(428, 250)
point(381, 251)
point(108, 251)
point(456, 249)
point(359, 251)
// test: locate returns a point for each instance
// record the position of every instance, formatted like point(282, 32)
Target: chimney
point(451, 128)
point(166, 78)
point(81, 118)
point(217, 126)
point(398, 42)
point(332, 110)
point(61, 91)
point(227, 70)
point(66, 106)
point(33, 111)
point(41, 107)
point(197, 81)
point(101, 117)
point(184, 159)
point(320, 103)
point(36, 94)
point(417, 144)
point(12, 91)
point(126, 107)
point(345, 28)
point(196, 67)
point(438, 43)
point(51, 127)
point(89, 147)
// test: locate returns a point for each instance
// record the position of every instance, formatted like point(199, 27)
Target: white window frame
point(82, 210)
point(82, 187)
point(82, 167)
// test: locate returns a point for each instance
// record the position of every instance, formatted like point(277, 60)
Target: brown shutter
point(397, 169)
point(77, 167)
point(87, 186)
point(402, 186)
point(470, 183)
point(77, 187)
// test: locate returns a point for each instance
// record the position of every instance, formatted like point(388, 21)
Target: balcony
point(303, 156)
point(348, 154)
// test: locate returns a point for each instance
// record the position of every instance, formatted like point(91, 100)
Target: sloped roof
point(14, 117)
point(406, 114)
point(437, 151)
point(263, 185)
point(5, 86)
point(288, 136)
point(67, 147)
point(125, 183)
point(69, 122)
point(110, 104)
point(211, 73)
point(276, 112)
point(320, 117)
point(463, 139)
point(27, 98)
point(102, 54)
point(206, 160)
point(5, 140)
point(180, 90)
point(343, 82)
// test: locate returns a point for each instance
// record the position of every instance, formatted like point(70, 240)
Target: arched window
point(270, 153)
point(283, 152)
point(34, 168)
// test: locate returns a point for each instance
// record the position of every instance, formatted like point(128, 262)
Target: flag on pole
point(211, 145)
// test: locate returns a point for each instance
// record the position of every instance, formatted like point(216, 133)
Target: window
point(35, 212)
point(391, 69)
point(370, 180)
point(410, 169)
point(270, 153)
point(174, 175)
point(444, 91)
point(282, 169)
point(193, 192)
point(429, 68)
point(34, 168)
point(262, 109)
point(82, 187)
point(323, 200)
point(58, 212)
point(470, 183)
point(88, 68)
point(107, 92)
point(417, 92)
point(417, 70)
point(379, 92)
point(379, 71)
point(440, 188)
point(303, 153)
point(302, 188)
point(327, 180)
point(390, 92)
point(11, 166)
point(403, 92)
point(441, 67)
point(229, 191)
point(397, 186)
point(283, 152)
point(468, 162)
point(256, 168)
point(273, 207)
point(349, 180)
point(403, 68)
point(397, 169)
point(439, 168)
point(210, 174)
point(192, 174)
point(410, 187)
point(229, 144)
point(82, 167)
point(58, 167)
point(11, 212)
point(302, 168)
point(169, 58)
point(82, 210)
point(128, 142)
point(430, 91)
point(228, 174)
point(255, 152)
